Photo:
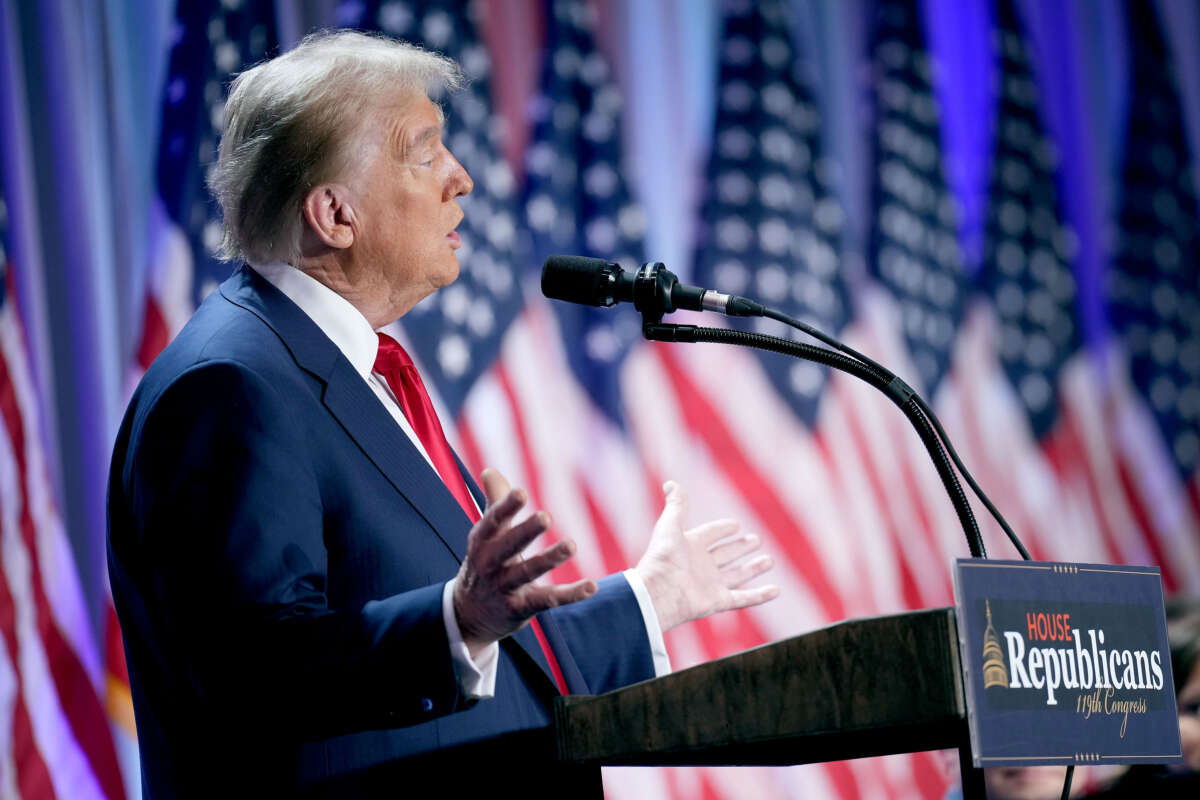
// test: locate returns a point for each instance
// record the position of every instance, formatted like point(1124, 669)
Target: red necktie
point(395, 365)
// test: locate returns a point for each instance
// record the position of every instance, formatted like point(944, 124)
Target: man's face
point(1188, 698)
point(407, 206)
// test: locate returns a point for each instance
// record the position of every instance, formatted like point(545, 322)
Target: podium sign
point(1065, 663)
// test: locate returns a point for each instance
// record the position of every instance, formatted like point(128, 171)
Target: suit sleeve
point(606, 636)
point(227, 518)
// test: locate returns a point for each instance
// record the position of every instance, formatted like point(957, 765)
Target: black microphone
point(653, 289)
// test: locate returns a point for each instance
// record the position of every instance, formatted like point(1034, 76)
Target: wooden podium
point(862, 687)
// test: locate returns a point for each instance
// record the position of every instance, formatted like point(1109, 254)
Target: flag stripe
point(700, 417)
point(568, 572)
point(33, 777)
point(909, 592)
point(1157, 556)
point(155, 334)
point(75, 690)
point(615, 559)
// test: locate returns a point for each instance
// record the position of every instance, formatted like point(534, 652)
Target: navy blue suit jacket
point(278, 548)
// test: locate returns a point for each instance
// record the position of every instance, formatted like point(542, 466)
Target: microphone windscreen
point(577, 280)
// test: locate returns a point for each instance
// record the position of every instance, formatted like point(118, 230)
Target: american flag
point(210, 41)
point(54, 732)
point(569, 403)
point(772, 223)
point(1154, 291)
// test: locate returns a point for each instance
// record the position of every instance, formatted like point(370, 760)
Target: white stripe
point(1163, 494)
point(1081, 393)
point(871, 542)
point(1026, 487)
point(8, 704)
point(56, 560)
point(782, 451)
point(172, 273)
point(934, 548)
point(674, 452)
point(69, 769)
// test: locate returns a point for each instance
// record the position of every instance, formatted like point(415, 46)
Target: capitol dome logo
point(995, 673)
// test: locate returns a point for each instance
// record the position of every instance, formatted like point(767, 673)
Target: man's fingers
point(541, 598)
point(724, 553)
point(710, 533)
point(523, 571)
point(495, 485)
point(518, 537)
point(498, 514)
point(738, 574)
point(745, 598)
point(675, 504)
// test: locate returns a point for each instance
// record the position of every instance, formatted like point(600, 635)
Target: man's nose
point(459, 182)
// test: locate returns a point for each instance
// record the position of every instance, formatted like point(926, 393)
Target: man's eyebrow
point(423, 136)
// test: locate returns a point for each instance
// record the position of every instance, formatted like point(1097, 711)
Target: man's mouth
point(454, 239)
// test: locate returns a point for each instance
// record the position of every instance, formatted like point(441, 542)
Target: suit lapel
point(372, 428)
point(364, 419)
point(356, 408)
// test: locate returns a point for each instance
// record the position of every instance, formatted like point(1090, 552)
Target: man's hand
point(691, 574)
point(495, 593)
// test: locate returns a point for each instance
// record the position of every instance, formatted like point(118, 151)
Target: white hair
point(289, 126)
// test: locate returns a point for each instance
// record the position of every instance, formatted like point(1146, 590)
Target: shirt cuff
point(476, 677)
point(658, 647)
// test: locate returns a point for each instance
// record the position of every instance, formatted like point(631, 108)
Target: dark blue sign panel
point(1065, 663)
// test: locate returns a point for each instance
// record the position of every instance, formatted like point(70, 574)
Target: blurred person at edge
point(1016, 783)
point(316, 598)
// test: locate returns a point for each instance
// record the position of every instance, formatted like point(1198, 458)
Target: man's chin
point(453, 270)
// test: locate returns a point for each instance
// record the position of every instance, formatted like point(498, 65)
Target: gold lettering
point(1123, 708)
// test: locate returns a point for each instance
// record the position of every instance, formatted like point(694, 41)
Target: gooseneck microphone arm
point(654, 291)
point(925, 409)
point(897, 391)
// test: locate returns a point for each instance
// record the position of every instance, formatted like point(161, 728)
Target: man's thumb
point(675, 495)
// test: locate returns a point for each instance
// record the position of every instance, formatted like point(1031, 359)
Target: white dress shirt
point(352, 334)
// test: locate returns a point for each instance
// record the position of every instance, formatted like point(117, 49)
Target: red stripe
point(469, 445)
point(908, 581)
point(535, 493)
point(728, 456)
point(611, 553)
point(33, 778)
point(860, 592)
point(155, 333)
point(114, 648)
point(1068, 456)
point(1010, 504)
point(78, 698)
point(929, 776)
point(708, 790)
point(568, 572)
point(1142, 517)
point(925, 520)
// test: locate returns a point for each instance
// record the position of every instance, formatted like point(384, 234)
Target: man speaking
point(315, 596)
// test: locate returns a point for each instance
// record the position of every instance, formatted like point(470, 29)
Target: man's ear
point(330, 216)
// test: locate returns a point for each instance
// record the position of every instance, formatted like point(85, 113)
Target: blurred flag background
point(995, 198)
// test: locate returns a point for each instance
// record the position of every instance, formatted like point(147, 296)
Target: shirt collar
point(336, 316)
